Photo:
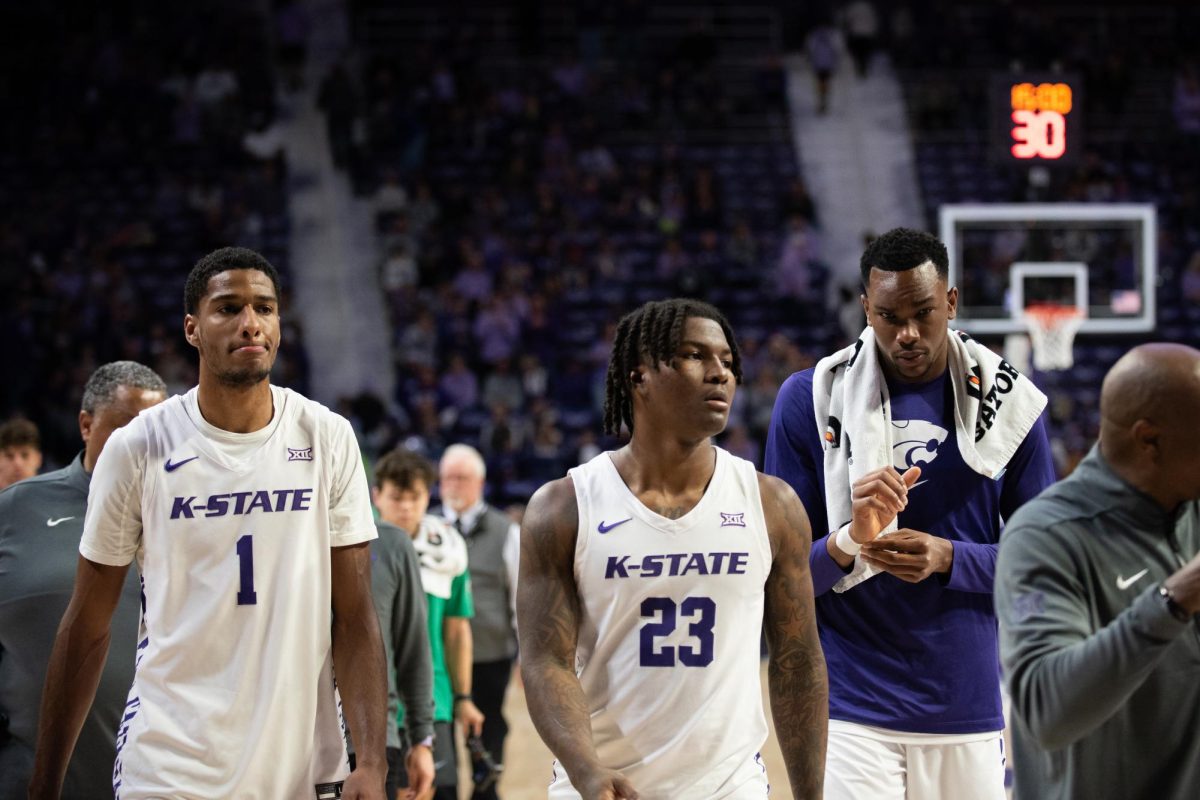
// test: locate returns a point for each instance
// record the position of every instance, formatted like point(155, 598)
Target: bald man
point(1097, 592)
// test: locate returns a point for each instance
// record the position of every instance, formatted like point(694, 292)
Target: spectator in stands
point(534, 378)
point(741, 246)
point(338, 98)
point(1187, 100)
point(822, 49)
point(797, 202)
point(861, 23)
point(503, 387)
point(418, 344)
point(504, 432)
point(673, 261)
point(458, 384)
point(391, 195)
point(20, 451)
point(497, 331)
point(493, 547)
point(794, 273)
point(398, 271)
point(291, 34)
point(474, 282)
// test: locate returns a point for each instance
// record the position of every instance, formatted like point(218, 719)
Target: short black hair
point(102, 386)
point(19, 432)
point(650, 335)
point(902, 249)
point(404, 468)
point(220, 260)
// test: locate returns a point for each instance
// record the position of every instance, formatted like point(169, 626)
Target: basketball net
point(1052, 331)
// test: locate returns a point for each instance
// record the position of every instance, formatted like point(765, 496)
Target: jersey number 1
point(245, 552)
point(702, 609)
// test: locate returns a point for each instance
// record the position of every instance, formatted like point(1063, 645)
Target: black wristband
point(459, 697)
point(1177, 611)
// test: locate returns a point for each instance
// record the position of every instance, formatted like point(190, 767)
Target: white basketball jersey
point(668, 652)
point(233, 695)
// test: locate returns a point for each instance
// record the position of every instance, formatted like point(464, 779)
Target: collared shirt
point(465, 523)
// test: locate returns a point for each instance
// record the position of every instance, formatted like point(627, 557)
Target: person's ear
point(1145, 436)
point(189, 331)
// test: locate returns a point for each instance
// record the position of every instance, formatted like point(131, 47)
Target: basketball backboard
point(1101, 258)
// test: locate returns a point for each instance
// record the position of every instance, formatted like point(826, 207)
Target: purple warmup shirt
point(922, 657)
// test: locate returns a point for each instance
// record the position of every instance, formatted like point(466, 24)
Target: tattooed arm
point(548, 614)
point(799, 685)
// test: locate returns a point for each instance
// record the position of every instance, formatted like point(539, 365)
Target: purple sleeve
point(1030, 470)
point(794, 453)
point(974, 567)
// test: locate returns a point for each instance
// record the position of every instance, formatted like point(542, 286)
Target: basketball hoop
point(1052, 331)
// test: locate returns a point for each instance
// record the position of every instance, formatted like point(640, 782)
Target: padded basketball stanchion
point(1052, 330)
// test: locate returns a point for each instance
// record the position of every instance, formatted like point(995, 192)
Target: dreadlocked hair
point(650, 335)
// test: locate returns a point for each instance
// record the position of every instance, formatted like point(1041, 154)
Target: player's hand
point(420, 771)
point(366, 783)
point(468, 715)
point(877, 497)
point(607, 784)
point(909, 555)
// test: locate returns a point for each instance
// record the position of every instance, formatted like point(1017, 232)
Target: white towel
point(994, 407)
point(443, 555)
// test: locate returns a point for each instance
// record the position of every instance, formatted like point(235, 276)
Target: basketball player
point(247, 509)
point(40, 523)
point(1098, 595)
point(643, 580)
point(921, 422)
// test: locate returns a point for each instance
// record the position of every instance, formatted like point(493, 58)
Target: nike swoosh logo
point(51, 523)
point(606, 528)
point(1125, 583)
point(172, 467)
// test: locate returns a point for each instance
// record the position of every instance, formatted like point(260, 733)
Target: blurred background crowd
point(530, 173)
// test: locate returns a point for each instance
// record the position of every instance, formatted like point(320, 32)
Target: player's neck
point(657, 462)
point(237, 409)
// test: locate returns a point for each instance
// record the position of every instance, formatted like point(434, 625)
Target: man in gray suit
point(493, 548)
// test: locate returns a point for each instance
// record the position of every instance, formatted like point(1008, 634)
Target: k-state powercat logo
point(916, 442)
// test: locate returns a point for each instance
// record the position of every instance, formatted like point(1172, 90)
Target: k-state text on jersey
point(652, 566)
point(218, 505)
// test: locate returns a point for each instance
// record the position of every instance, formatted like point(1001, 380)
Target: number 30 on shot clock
point(1038, 118)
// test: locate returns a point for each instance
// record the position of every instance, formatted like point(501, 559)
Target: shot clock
point(1037, 118)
